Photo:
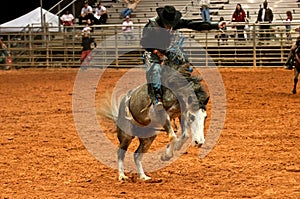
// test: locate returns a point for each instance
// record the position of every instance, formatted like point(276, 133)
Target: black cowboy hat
point(168, 15)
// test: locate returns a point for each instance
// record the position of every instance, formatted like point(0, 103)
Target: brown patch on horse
point(140, 104)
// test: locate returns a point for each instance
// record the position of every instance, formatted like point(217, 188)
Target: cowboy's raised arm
point(196, 25)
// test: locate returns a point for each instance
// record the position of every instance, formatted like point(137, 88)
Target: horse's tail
point(110, 106)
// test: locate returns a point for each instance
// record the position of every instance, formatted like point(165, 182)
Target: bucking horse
point(184, 97)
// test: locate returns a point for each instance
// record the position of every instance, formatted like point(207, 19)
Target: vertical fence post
point(206, 48)
point(31, 52)
point(47, 48)
point(116, 46)
point(254, 44)
point(281, 47)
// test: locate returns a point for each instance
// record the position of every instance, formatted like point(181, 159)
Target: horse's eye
point(192, 117)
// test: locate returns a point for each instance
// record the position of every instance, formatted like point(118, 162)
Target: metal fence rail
point(34, 48)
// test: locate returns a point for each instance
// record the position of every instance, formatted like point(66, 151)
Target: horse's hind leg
point(172, 141)
point(145, 144)
point(125, 141)
point(184, 133)
point(296, 74)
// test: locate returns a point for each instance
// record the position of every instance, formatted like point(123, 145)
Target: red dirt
point(42, 156)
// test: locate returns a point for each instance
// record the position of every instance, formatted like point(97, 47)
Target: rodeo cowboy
point(289, 64)
point(156, 41)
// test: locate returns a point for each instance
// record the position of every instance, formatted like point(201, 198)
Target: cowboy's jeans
point(154, 80)
point(153, 74)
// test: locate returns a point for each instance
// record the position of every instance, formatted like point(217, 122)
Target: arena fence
point(55, 47)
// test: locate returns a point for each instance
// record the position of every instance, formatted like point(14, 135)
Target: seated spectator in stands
point(86, 53)
point(239, 15)
point(204, 10)
point(222, 36)
point(67, 20)
point(86, 13)
point(131, 7)
point(100, 14)
point(127, 29)
point(88, 27)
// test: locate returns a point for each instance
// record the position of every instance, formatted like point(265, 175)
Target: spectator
point(239, 15)
point(223, 36)
point(289, 18)
point(127, 29)
point(3, 54)
point(265, 15)
point(86, 13)
point(86, 53)
point(100, 14)
point(2, 44)
point(156, 40)
point(204, 9)
point(88, 27)
point(131, 7)
point(67, 20)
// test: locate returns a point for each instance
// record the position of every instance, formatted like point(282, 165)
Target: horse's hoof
point(294, 92)
point(144, 177)
point(123, 177)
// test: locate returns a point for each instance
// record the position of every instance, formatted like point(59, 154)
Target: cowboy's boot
point(158, 104)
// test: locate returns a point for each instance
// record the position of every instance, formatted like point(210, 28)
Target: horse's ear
point(206, 100)
point(204, 103)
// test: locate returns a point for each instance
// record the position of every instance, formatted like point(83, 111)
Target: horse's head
point(196, 115)
point(196, 122)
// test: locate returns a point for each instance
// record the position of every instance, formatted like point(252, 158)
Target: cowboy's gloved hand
point(222, 24)
point(159, 54)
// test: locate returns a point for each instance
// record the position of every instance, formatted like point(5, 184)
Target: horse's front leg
point(172, 141)
point(125, 141)
point(184, 132)
point(296, 74)
point(145, 144)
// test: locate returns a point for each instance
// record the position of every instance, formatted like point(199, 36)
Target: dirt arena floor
point(257, 154)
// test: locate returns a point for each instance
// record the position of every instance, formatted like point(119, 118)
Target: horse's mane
point(183, 82)
point(178, 61)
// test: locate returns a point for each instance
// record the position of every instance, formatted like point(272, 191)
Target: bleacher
point(147, 9)
point(234, 53)
point(59, 50)
point(190, 9)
